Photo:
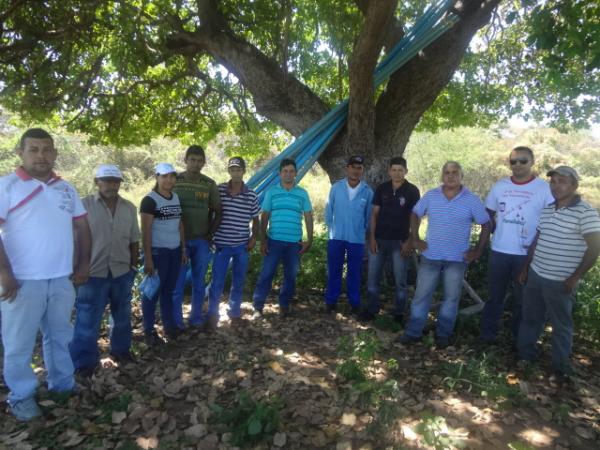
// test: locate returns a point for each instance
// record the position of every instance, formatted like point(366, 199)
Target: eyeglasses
point(520, 161)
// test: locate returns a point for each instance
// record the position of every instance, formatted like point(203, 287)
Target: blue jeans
point(547, 298)
point(239, 258)
point(168, 263)
point(287, 254)
point(199, 253)
point(502, 269)
point(45, 305)
point(428, 277)
point(337, 251)
point(91, 300)
point(387, 249)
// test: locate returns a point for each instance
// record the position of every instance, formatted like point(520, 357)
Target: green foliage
point(120, 403)
point(357, 354)
point(385, 322)
point(248, 420)
point(586, 312)
point(437, 434)
point(482, 375)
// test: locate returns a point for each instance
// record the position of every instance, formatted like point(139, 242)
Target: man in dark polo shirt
point(388, 236)
point(201, 209)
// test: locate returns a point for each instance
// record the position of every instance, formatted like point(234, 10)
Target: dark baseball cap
point(356, 159)
point(236, 161)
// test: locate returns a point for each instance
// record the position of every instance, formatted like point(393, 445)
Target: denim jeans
point(502, 269)
point(287, 253)
point(337, 251)
point(168, 263)
point(387, 249)
point(90, 303)
point(547, 298)
point(428, 276)
point(199, 253)
point(45, 305)
point(239, 258)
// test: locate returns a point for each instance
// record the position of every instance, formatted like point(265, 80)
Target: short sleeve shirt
point(561, 243)
point(449, 222)
point(111, 235)
point(518, 207)
point(167, 215)
point(395, 206)
point(237, 212)
point(36, 222)
point(287, 209)
point(197, 199)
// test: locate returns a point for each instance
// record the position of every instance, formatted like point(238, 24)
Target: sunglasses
point(520, 161)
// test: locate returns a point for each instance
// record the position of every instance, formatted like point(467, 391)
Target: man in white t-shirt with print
point(41, 216)
point(514, 204)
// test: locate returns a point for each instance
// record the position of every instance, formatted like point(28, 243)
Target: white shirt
point(36, 221)
point(518, 208)
point(352, 191)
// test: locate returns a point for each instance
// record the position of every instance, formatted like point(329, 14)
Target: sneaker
point(25, 410)
point(560, 379)
point(407, 339)
point(153, 339)
point(366, 316)
point(172, 335)
point(442, 343)
point(355, 311)
point(284, 312)
point(258, 314)
point(123, 358)
point(330, 308)
point(85, 372)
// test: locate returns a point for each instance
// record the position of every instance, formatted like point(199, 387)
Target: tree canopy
point(125, 72)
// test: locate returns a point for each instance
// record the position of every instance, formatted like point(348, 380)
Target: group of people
point(545, 238)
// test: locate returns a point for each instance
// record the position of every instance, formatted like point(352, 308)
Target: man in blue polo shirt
point(347, 217)
point(283, 208)
point(451, 209)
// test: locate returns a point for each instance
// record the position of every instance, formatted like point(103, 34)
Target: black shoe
point(355, 311)
point(123, 358)
point(284, 312)
point(442, 343)
point(172, 335)
point(560, 379)
point(407, 339)
point(398, 318)
point(152, 339)
point(211, 324)
point(330, 308)
point(366, 316)
point(85, 372)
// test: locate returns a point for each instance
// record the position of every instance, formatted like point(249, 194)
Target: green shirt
point(197, 198)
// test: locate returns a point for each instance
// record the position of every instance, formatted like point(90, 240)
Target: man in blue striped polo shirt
point(566, 246)
point(233, 241)
point(283, 208)
point(451, 210)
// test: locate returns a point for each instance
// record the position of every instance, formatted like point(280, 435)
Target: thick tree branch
point(277, 95)
point(361, 116)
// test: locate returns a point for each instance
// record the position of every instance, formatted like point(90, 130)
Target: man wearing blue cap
point(115, 248)
point(566, 246)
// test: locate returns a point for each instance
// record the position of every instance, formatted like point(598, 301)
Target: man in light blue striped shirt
point(451, 210)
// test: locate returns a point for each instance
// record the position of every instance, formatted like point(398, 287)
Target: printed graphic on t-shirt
point(168, 212)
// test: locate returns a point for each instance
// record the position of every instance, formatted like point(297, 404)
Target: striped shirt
point(286, 208)
point(449, 222)
point(561, 244)
point(238, 210)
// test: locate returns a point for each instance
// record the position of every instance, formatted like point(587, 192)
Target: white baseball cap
point(164, 169)
point(108, 171)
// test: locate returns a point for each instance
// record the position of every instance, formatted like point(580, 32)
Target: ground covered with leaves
point(317, 381)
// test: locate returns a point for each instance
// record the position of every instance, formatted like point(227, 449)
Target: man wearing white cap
point(115, 248)
point(566, 246)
